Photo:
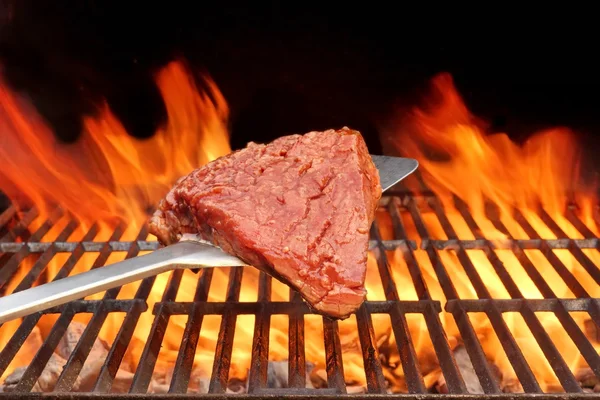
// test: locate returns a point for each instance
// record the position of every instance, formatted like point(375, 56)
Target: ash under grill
point(462, 362)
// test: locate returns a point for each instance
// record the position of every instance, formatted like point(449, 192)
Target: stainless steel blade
point(393, 169)
point(189, 253)
point(184, 254)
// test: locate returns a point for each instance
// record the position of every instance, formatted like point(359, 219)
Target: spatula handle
point(118, 274)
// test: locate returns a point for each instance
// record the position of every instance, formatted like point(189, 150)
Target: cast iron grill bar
point(77, 253)
point(333, 356)
point(257, 378)
point(501, 270)
point(532, 271)
point(586, 232)
point(526, 263)
point(406, 349)
point(7, 215)
point(143, 374)
point(296, 352)
point(371, 361)
point(548, 348)
point(8, 270)
point(366, 332)
point(17, 340)
point(407, 251)
point(566, 275)
point(515, 305)
point(20, 229)
point(500, 244)
point(80, 353)
point(88, 246)
point(596, 217)
point(569, 279)
point(471, 342)
point(117, 351)
point(306, 394)
point(454, 380)
point(37, 365)
point(581, 257)
point(404, 342)
point(558, 364)
point(577, 223)
point(41, 264)
point(560, 367)
point(285, 307)
point(191, 334)
point(583, 344)
point(497, 264)
point(222, 362)
point(410, 363)
point(105, 250)
point(77, 358)
point(472, 274)
point(10, 264)
point(560, 310)
point(508, 342)
point(29, 322)
point(389, 245)
point(472, 345)
point(383, 265)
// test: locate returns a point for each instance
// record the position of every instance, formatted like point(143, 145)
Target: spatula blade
point(393, 169)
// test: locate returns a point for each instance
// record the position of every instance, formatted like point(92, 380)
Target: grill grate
point(17, 243)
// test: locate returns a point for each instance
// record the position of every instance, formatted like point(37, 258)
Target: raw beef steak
point(299, 208)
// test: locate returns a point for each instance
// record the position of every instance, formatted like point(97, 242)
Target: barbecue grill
point(17, 242)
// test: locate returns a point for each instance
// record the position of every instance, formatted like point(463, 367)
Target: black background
point(289, 69)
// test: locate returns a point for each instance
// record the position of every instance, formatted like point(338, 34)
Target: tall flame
point(108, 177)
point(458, 157)
point(122, 175)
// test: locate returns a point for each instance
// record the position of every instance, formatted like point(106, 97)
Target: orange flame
point(458, 157)
point(108, 177)
point(123, 176)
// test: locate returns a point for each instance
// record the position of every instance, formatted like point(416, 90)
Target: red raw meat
point(299, 208)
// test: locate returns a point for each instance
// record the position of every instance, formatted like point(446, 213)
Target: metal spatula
point(188, 253)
